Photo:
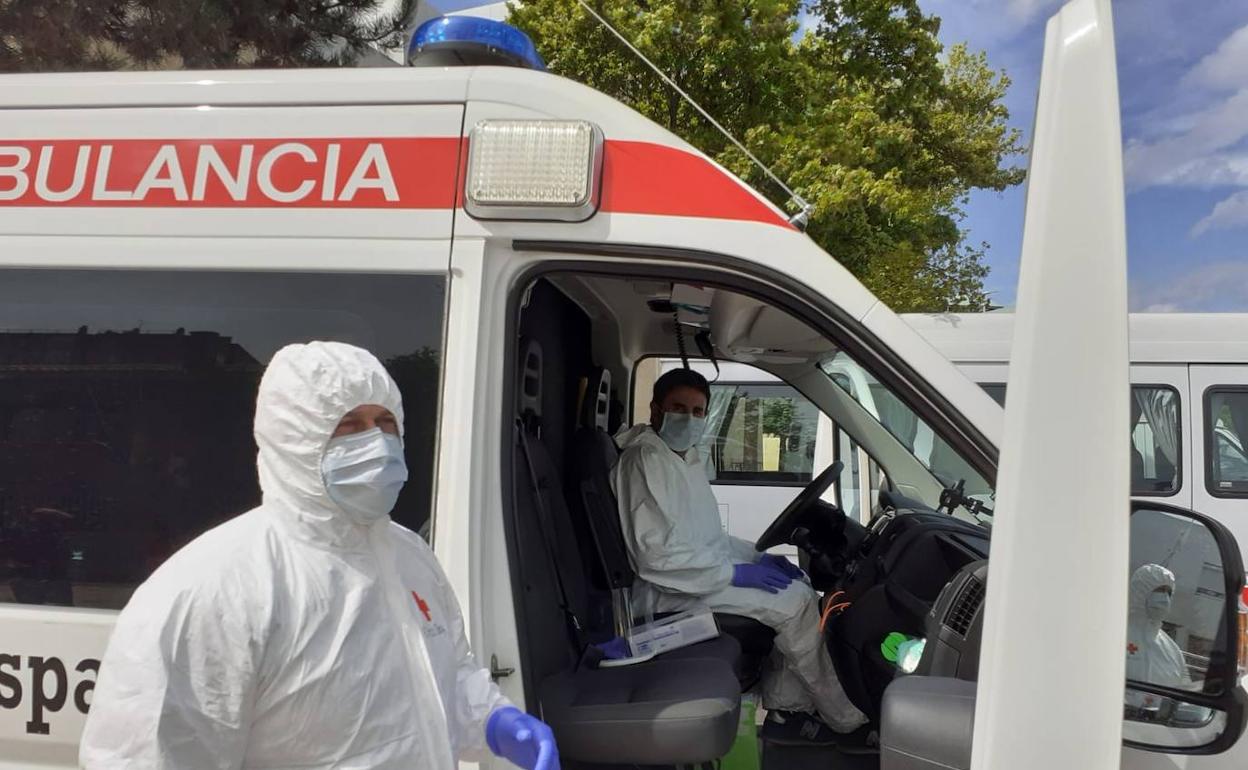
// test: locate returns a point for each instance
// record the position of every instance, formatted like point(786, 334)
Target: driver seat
point(594, 455)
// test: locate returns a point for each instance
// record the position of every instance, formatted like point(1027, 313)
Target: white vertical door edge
point(1052, 667)
point(456, 515)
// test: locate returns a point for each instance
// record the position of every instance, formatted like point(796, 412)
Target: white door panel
point(1072, 287)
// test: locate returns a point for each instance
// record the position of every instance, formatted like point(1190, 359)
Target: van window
point(127, 400)
point(936, 454)
point(996, 390)
point(760, 434)
point(1226, 427)
point(1156, 438)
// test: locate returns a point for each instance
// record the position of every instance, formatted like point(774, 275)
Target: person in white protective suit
point(1152, 655)
point(312, 631)
point(683, 556)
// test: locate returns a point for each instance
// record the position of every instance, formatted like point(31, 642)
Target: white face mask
point(364, 473)
point(681, 431)
point(1157, 606)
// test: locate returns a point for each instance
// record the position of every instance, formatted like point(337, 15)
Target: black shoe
point(864, 740)
point(794, 728)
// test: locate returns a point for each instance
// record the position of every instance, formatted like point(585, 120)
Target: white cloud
point(1213, 287)
point(1228, 214)
point(1196, 156)
point(1225, 68)
point(1198, 135)
point(1214, 170)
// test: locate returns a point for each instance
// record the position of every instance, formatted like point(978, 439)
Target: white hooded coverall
point(683, 556)
point(1152, 655)
point(292, 636)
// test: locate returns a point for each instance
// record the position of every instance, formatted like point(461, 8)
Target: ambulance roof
point(551, 94)
point(1155, 337)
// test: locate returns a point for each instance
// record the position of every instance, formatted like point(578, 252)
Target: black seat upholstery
point(663, 712)
point(594, 454)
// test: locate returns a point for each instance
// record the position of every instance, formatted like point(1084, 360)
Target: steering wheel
point(791, 517)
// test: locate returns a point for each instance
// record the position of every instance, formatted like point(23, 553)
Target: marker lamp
point(534, 169)
point(1243, 632)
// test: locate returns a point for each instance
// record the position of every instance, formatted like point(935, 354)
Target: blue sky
point(1183, 81)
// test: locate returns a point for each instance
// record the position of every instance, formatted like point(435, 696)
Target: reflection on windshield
point(930, 449)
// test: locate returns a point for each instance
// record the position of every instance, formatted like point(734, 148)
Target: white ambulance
point(510, 244)
point(1189, 399)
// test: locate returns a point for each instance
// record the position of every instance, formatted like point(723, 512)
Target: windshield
point(929, 448)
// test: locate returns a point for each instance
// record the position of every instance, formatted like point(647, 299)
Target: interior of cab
point(910, 568)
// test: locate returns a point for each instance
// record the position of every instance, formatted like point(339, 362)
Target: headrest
point(530, 404)
point(598, 401)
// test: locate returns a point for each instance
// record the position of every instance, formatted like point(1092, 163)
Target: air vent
point(964, 608)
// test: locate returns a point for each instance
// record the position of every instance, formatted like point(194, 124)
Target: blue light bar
point(470, 40)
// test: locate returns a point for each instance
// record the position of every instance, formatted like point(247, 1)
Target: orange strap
point(831, 606)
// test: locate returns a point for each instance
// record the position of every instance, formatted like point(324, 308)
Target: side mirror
point(1183, 693)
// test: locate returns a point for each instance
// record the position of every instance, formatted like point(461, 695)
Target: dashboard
point(913, 566)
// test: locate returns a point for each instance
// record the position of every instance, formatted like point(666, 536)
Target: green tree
point(867, 117)
point(733, 57)
point(66, 35)
point(778, 416)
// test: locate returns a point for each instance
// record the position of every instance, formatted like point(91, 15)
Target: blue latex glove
point(760, 576)
point(523, 740)
point(616, 649)
point(783, 564)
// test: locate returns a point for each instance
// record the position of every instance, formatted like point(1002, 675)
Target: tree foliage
point(67, 35)
point(878, 127)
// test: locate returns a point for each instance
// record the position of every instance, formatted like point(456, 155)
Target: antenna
point(798, 220)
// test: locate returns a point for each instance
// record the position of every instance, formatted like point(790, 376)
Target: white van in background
point(1189, 405)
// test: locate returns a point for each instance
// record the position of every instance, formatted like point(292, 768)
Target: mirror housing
point(928, 721)
point(1183, 693)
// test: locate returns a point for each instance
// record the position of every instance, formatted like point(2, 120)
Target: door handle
point(496, 672)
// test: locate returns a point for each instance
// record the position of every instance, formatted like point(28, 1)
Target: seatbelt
point(545, 525)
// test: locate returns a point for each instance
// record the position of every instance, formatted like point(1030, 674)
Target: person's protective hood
point(304, 394)
point(1144, 581)
point(293, 636)
point(1152, 655)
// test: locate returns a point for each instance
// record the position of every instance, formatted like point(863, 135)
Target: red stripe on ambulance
point(388, 173)
point(400, 173)
point(646, 178)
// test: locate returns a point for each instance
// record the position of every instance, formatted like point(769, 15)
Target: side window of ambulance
point(1156, 437)
point(761, 434)
point(127, 400)
point(1226, 428)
